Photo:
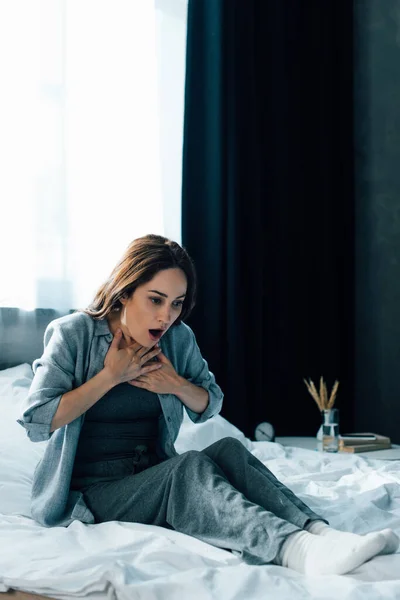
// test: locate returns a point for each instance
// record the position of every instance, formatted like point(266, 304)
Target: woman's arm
point(54, 375)
point(192, 396)
point(74, 403)
point(199, 381)
point(53, 400)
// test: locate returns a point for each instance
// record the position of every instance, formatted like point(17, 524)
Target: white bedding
point(127, 560)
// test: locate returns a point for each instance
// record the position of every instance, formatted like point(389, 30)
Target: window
point(91, 115)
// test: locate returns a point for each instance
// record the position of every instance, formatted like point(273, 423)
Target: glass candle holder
point(330, 430)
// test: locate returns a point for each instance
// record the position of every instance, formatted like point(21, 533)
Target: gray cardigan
point(75, 347)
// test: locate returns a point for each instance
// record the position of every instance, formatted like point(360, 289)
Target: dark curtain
point(268, 203)
point(377, 190)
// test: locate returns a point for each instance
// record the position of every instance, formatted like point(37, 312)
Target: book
point(360, 439)
point(364, 447)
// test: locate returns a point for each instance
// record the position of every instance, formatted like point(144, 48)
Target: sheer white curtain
point(91, 122)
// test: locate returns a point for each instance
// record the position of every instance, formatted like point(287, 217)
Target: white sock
point(317, 527)
point(321, 555)
point(321, 528)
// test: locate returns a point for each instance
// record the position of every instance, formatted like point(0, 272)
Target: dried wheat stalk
point(321, 399)
point(322, 392)
point(333, 394)
point(313, 392)
point(314, 389)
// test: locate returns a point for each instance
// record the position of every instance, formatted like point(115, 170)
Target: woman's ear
point(124, 298)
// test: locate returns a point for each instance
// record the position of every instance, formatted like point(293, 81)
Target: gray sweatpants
point(222, 495)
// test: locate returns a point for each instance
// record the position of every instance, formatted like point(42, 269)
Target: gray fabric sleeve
point(197, 372)
point(53, 377)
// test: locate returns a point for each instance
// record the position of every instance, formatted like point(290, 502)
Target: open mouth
point(155, 334)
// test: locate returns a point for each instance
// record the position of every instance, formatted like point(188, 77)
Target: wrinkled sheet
point(118, 560)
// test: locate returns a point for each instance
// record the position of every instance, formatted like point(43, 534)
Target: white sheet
point(126, 560)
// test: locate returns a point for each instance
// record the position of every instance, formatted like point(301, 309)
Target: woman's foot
point(321, 528)
point(322, 555)
point(392, 541)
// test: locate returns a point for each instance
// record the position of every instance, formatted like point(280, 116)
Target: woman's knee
point(191, 457)
point(226, 450)
point(230, 443)
point(194, 461)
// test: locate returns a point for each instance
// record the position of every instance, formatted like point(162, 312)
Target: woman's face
point(153, 305)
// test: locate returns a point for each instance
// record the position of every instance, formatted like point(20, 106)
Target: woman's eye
point(158, 300)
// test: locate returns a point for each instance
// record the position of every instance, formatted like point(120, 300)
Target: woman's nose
point(165, 317)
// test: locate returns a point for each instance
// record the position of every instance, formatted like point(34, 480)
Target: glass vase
point(329, 441)
point(319, 438)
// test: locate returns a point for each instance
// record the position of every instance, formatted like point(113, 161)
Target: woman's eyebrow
point(165, 295)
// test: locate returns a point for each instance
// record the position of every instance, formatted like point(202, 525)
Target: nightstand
point(310, 443)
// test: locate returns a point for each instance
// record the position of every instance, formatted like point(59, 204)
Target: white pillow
point(194, 436)
point(24, 370)
point(18, 455)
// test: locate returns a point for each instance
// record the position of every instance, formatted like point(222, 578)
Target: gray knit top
point(124, 418)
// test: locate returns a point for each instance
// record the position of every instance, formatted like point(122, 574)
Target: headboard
point(21, 334)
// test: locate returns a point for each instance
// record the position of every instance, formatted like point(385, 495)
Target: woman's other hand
point(162, 381)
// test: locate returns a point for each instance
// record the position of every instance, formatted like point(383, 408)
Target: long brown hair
point(142, 260)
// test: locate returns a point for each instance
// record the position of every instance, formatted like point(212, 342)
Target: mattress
point(119, 560)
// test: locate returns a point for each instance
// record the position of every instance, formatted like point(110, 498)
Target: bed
point(119, 560)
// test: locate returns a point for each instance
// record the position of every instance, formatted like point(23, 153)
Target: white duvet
point(143, 562)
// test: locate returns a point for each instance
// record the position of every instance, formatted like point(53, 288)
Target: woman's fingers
point(116, 339)
point(150, 354)
point(151, 368)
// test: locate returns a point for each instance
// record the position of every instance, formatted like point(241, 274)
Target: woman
point(108, 393)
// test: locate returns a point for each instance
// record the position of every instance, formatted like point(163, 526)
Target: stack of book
point(363, 442)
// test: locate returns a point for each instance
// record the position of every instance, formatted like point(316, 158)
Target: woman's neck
point(113, 321)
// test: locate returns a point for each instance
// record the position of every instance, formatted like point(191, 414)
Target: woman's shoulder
point(76, 325)
point(181, 332)
point(181, 338)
